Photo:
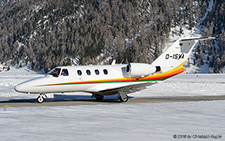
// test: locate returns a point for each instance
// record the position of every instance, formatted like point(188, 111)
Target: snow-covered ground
point(153, 121)
point(147, 121)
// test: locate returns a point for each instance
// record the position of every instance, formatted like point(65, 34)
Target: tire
point(123, 100)
point(40, 99)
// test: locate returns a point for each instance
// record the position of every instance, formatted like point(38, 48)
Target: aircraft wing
point(126, 89)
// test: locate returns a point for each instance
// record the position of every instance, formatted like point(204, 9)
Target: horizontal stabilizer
point(201, 38)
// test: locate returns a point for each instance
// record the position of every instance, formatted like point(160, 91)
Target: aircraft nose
point(20, 88)
point(29, 86)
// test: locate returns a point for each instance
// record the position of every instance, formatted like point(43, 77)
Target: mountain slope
point(48, 33)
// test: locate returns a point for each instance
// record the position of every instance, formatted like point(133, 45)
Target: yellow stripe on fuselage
point(154, 77)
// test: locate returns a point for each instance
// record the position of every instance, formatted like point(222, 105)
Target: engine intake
point(140, 69)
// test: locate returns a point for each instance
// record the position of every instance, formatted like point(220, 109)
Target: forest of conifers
point(49, 33)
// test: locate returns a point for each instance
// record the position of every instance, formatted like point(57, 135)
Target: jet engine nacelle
point(139, 69)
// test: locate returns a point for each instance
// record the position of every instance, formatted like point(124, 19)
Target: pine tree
point(181, 31)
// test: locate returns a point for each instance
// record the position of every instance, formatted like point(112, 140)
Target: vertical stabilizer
point(178, 53)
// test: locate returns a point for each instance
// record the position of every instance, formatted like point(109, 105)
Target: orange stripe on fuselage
point(153, 77)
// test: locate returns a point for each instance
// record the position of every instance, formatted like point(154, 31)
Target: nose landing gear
point(41, 98)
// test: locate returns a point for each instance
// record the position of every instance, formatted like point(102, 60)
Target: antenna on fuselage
point(113, 62)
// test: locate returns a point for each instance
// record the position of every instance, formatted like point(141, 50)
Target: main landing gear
point(122, 97)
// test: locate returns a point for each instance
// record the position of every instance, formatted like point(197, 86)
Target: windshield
point(54, 72)
point(64, 72)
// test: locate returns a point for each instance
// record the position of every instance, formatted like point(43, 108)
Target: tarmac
point(91, 101)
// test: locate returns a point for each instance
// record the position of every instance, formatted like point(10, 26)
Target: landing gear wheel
point(40, 99)
point(125, 99)
point(99, 97)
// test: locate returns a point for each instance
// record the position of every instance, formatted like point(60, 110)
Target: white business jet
point(119, 79)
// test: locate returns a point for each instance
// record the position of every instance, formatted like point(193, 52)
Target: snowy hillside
point(196, 31)
point(45, 33)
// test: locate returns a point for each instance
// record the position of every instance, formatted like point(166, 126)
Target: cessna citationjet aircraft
point(112, 79)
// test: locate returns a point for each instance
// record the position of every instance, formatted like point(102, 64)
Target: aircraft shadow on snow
point(66, 98)
point(113, 99)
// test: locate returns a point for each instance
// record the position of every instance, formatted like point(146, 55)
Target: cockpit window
point(55, 72)
point(64, 72)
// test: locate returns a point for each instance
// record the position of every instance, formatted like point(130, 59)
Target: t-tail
point(176, 55)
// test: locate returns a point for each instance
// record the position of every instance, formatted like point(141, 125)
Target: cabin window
point(79, 72)
point(88, 72)
point(64, 72)
point(105, 71)
point(55, 72)
point(97, 72)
